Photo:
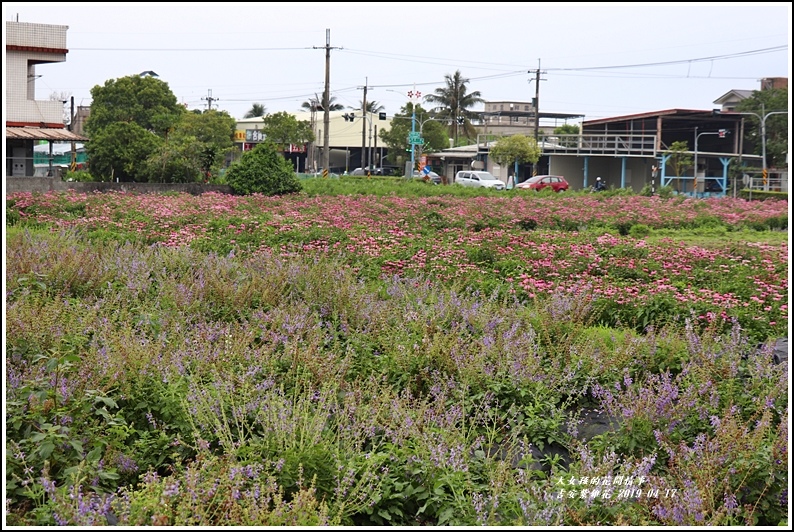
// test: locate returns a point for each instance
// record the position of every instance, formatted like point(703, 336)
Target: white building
point(29, 120)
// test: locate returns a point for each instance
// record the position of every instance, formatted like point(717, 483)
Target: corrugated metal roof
point(43, 133)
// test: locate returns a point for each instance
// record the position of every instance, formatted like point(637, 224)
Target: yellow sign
point(239, 136)
point(325, 172)
point(764, 174)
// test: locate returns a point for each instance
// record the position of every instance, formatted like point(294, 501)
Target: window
point(526, 108)
point(501, 107)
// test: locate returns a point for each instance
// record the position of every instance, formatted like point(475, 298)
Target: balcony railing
point(620, 145)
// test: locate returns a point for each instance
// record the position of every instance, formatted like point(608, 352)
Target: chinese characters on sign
point(254, 135)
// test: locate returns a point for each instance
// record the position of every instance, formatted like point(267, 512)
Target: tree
point(762, 102)
point(567, 129)
point(453, 102)
point(129, 121)
point(195, 150)
point(515, 149)
point(372, 107)
point(119, 151)
point(434, 133)
point(283, 128)
point(316, 104)
point(146, 101)
point(679, 159)
point(256, 110)
point(264, 171)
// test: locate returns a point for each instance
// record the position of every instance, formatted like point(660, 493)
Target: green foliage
point(140, 133)
point(680, 161)
point(194, 150)
point(515, 148)
point(762, 103)
point(271, 370)
point(78, 175)
point(639, 231)
point(178, 160)
point(566, 129)
point(257, 109)
point(453, 101)
point(118, 152)
point(142, 100)
point(665, 192)
point(264, 171)
point(282, 129)
point(434, 132)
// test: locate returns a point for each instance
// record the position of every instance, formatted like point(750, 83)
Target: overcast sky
point(596, 59)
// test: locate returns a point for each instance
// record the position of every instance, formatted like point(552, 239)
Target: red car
point(538, 182)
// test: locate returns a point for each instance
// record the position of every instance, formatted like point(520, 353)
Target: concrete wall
point(48, 184)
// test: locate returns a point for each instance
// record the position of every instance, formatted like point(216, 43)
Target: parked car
point(434, 177)
point(478, 178)
point(539, 182)
point(372, 171)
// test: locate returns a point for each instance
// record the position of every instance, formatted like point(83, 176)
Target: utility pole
point(326, 105)
point(537, 110)
point(209, 99)
point(364, 161)
point(537, 98)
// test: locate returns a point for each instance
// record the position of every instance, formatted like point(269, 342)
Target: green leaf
point(384, 514)
point(76, 445)
point(108, 475)
point(94, 455)
point(446, 515)
point(46, 448)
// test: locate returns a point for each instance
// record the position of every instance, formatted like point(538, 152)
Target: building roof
point(735, 94)
point(43, 133)
point(680, 113)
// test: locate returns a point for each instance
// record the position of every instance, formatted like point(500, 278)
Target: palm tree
point(372, 107)
point(316, 104)
point(453, 103)
point(256, 110)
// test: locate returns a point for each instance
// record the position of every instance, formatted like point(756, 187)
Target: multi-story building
point(29, 120)
point(502, 118)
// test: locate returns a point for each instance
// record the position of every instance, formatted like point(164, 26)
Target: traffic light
point(349, 117)
point(723, 132)
point(381, 116)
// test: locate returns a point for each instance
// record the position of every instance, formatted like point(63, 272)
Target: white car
point(478, 178)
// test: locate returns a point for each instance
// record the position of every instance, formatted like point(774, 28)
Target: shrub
point(639, 231)
point(665, 192)
point(263, 170)
point(79, 175)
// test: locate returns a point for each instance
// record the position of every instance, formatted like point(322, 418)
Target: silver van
point(478, 178)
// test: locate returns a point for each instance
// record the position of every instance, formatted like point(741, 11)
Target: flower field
point(395, 358)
